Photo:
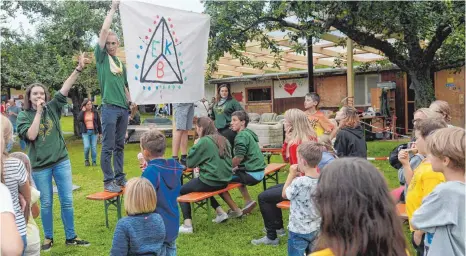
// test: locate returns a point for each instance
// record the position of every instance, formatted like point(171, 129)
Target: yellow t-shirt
point(320, 123)
point(423, 182)
point(325, 252)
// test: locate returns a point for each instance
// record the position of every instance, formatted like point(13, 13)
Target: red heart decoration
point(290, 88)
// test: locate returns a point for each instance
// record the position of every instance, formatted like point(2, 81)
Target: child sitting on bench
point(142, 232)
point(248, 163)
point(304, 220)
point(165, 175)
point(212, 154)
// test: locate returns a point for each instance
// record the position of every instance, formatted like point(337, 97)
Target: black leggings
point(242, 177)
point(196, 185)
point(273, 219)
point(229, 134)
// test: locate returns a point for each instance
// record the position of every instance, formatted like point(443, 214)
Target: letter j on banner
point(166, 52)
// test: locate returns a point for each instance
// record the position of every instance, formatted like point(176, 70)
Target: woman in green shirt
point(211, 153)
point(39, 126)
point(222, 111)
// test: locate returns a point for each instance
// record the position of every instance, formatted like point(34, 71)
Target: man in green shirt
point(111, 73)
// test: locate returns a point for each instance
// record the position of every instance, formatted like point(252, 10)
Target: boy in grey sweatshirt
point(442, 213)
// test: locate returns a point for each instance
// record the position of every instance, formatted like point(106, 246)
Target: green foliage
point(424, 36)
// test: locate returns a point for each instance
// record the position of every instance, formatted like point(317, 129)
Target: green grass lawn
point(230, 238)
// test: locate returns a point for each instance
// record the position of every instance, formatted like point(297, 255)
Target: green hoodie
point(247, 147)
point(221, 114)
point(49, 147)
point(214, 170)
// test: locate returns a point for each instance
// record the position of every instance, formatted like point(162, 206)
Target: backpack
point(393, 158)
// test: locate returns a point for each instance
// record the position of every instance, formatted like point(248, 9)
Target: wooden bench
point(271, 173)
point(109, 198)
point(401, 210)
point(201, 200)
point(188, 174)
point(268, 152)
point(284, 205)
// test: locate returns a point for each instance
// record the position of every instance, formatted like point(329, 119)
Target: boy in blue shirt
point(165, 176)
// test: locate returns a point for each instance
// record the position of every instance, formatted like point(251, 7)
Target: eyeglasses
point(111, 43)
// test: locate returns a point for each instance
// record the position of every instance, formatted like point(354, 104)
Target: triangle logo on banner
point(160, 63)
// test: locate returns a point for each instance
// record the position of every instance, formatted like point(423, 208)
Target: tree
point(429, 36)
point(64, 29)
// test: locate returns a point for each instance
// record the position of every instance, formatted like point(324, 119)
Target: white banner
point(290, 88)
point(166, 52)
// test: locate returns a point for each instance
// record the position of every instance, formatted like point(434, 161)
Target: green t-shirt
point(247, 147)
point(112, 87)
point(49, 147)
point(221, 114)
point(214, 170)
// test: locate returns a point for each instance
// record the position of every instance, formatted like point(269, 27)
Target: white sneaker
point(185, 229)
point(220, 218)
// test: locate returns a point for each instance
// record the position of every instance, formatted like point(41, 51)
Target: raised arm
point(72, 78)
point(107, 22)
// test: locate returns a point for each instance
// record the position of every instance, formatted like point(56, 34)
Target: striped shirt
point(16, 176)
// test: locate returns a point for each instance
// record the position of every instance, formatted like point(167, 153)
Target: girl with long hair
point(90, 128)
point(211, 153)
point(298, 129)
point(358, 214)
point(350, 139)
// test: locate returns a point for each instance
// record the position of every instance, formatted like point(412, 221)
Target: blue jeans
point(299, 244)
point(114, 125)
point(168, 249)
point(61, 173)
point(25, 243)
point(90, 143)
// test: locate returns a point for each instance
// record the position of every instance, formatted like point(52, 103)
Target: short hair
point(427, 126)
point(429, 113)
point(140, 196)
point(311, 151)
point(27, 95)
point(448, 142)
point(242, 116)
point(314, 96)
point(154, 142)
point(111, 32)
point(443, 108)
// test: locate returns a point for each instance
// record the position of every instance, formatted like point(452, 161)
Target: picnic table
point(268, 152)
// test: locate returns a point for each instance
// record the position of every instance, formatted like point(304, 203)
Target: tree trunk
point(423, 87)
point(77, 99)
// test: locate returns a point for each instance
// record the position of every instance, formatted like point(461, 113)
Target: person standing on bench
point(184, 116)
point(211, 153)
point(222, 110)
point(298, 129)
point(115, 101)
point(39, 126)
point(248, 163)
point(165, 176)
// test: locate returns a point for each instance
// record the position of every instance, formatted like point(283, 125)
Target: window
point(259, 94)
point(362, 88)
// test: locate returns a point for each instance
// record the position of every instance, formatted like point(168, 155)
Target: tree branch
point(437, 66)
point(366, 39)
point(282, 22)
point(411, 38)
point(441, 34)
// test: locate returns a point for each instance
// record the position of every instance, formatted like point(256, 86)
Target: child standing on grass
point(423, 179)
point(142, 232)
point(441, 214)
point(165, 176)
point(304, 219)
point(33, 235)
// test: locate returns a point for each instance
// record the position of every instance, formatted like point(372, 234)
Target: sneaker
point(280, 232)
point(86, 163)
point(265, 240)
point(234, 214)
point(121, 183)
point(249, 207)
point(77, 241)
point(185, 229)
point(94, 164)
point(111, 187)
point(183, 161)
point(220, 218)
point(47, 245)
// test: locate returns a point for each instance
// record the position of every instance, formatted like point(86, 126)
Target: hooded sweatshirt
point(215, 170)
point(247, 147)
point(350, 142)
point(165, 176)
